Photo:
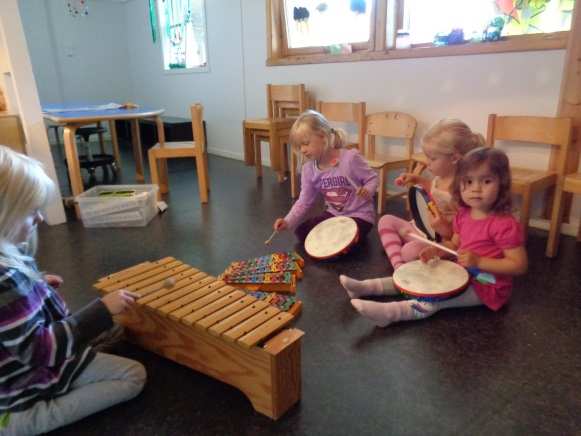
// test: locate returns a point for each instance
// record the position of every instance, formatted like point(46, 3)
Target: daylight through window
point(182, 26)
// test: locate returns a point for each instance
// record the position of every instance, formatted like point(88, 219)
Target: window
point(183, 34)
point(316, 23)
point(313, 31)
point(423, 20)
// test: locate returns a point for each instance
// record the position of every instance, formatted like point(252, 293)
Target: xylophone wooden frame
point(269, 374)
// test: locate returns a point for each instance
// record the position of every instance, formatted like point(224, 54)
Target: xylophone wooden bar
point(199, 321)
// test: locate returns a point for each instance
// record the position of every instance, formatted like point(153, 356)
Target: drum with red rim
point(435, 280)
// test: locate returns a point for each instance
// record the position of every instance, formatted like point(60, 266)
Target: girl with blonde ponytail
point(341, 176)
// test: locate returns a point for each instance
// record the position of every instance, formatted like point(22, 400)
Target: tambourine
point(436, 280)
point(423, 210)
point(332, 237)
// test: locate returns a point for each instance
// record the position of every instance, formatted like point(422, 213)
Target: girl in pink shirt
point(486, 237)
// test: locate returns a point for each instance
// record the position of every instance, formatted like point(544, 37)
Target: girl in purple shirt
point(340, 175)
point(486, 237)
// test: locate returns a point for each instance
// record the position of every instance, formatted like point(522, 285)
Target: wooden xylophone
point(201, 322)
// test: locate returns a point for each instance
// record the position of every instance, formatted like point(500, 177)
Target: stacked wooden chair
point(353, 113)
point(284, 104)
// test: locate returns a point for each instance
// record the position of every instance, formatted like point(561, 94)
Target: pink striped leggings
point(399, 249)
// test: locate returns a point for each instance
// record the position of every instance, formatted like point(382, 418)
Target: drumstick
point(267, 242)
point(435, 244)
point(482, 277)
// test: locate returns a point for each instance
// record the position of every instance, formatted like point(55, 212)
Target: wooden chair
point(284, 103)
point(552, 131)
point(418, 163)
point(393, 125)
point(570, 183)
point(339, 112)
point(167, 150)
point(353, 113)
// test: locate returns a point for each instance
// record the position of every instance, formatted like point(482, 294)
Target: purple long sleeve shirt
point(336, 186)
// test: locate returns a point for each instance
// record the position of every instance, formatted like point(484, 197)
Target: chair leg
point(163, 176)
point(248, 146)
point(276, 159)
point(257, 156)
point(115, 143)
point(525, 211)
point(549, 200)
point(154, 171)
point(555, 227)
point(284, 150)
point(381, 192)
point(293, 175)
point(101, 140)
point(202, 178)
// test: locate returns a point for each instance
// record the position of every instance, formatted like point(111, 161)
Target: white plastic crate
point(135, 210)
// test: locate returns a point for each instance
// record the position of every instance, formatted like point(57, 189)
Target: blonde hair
point(310, 122)
point(24, 188)
point(314, 122)
point(450, 136)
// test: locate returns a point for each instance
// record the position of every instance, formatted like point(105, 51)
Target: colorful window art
point(182, 26)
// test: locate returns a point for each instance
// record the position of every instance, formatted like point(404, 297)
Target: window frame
point(376, 48)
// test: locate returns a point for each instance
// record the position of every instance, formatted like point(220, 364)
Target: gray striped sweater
point(43, 347)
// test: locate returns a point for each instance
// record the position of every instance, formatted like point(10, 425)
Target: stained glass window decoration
point(424, 19)
point(320, 23)
point(182, 26)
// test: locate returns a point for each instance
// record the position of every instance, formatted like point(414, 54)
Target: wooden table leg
point(73, 165)
point(137, 153)
point(115, 142)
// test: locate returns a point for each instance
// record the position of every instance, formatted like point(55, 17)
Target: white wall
point(82, 59)
point(221, 90)
point(24, 99)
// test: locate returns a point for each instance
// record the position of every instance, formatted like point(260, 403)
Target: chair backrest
point(396, 125)
point(197, 111)
point(346, 113)
point(553, 131)
point(285, 101)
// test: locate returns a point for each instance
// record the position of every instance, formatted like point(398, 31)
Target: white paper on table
point(99, 107)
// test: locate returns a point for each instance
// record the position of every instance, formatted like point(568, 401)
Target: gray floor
point(465, 371)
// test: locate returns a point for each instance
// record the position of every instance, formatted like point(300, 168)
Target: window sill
point(203, 69)
point(553, 41)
